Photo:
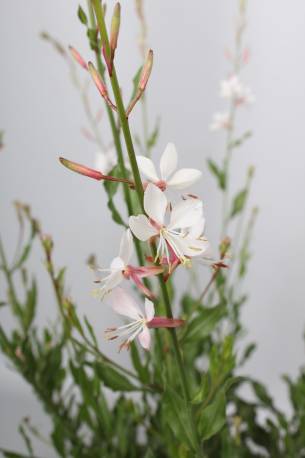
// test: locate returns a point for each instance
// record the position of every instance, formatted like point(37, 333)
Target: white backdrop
point(42, 115)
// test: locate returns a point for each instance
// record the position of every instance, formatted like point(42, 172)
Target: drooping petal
point(147, 167)
point(126, 247)
point(110, 282)
point(155, 203)
point(168, 161)
point(149, 310)
point(141, 227)
point(124, 304)
point(185, 214)
point(141, 286)
point(117, 264)
point(145, 338)
point(184, 178)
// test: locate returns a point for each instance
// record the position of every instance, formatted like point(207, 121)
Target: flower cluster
point(173, 227)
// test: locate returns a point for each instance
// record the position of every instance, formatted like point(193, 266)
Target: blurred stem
point(139, 189)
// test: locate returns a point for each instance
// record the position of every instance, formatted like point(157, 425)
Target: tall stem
point(139, 189)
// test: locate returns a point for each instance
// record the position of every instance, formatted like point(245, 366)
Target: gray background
point(42, 115)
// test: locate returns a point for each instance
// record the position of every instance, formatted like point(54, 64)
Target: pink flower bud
point(82, 169)
point(78, 58)
point(146, 70)
point(115, 28)
point(98, 80)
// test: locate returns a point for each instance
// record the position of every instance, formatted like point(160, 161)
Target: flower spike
point(101, 86)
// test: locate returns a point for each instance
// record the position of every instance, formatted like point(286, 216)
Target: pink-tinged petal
point(125, 305)
point(168, 162)
point(141, 286)
point(147, 167)
point(145, 338)
point(185, 214)
point(155, 203)
point(126, 247)
point(141, 227)
point(149, 310)
point(149, 271)
point(184, 178)
point(82, 169)
point(164, 322)
point(117, 264)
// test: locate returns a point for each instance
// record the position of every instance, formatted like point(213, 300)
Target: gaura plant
point(180, 395)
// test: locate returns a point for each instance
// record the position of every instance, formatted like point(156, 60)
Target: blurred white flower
point(168, 178)
point(221, 121)
point(235, 90)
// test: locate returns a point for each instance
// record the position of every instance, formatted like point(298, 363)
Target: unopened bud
point(98, 81)
point(146, 70)
point(101, 86)
point(115, 28)
point(81, 169)
point(47, 243)
point(224, 246)
point(78, 58)
point(251, 171)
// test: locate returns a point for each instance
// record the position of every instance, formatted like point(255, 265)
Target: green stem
point(139, 189)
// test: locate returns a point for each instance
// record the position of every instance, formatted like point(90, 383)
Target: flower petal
point(141, 227)
point(126, 247)
point(193, 247)
point(185, 214)
point(155, 203)
point(117, 264)
point(197, 229)
point(184, 178)
point(145, 338)
point(168, 161)
point(125, 305)
point(149, 310)
point(147, 167)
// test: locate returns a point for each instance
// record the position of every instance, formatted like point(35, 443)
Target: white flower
point(233, 89)
point(105, 161)
point(124, 304)
point(221, 121)
point(176, 236)
point(121, 270)
point(168, 178)
point(139, 327)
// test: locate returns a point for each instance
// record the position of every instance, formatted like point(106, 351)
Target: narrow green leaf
point(239, 202)
point(142, 371)
point(213, 417)
point(113, 379)
point(82, 15)
point(204, 323)
point(218, 173)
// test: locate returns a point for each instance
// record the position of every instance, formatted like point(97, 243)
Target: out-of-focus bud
point(101, 86)
point(146, 70)
point(251, 171)
point(115, 29)
point(224, 247)
point(78, 58)
point(81, 169)
point(242, 5)
point(47, 243)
